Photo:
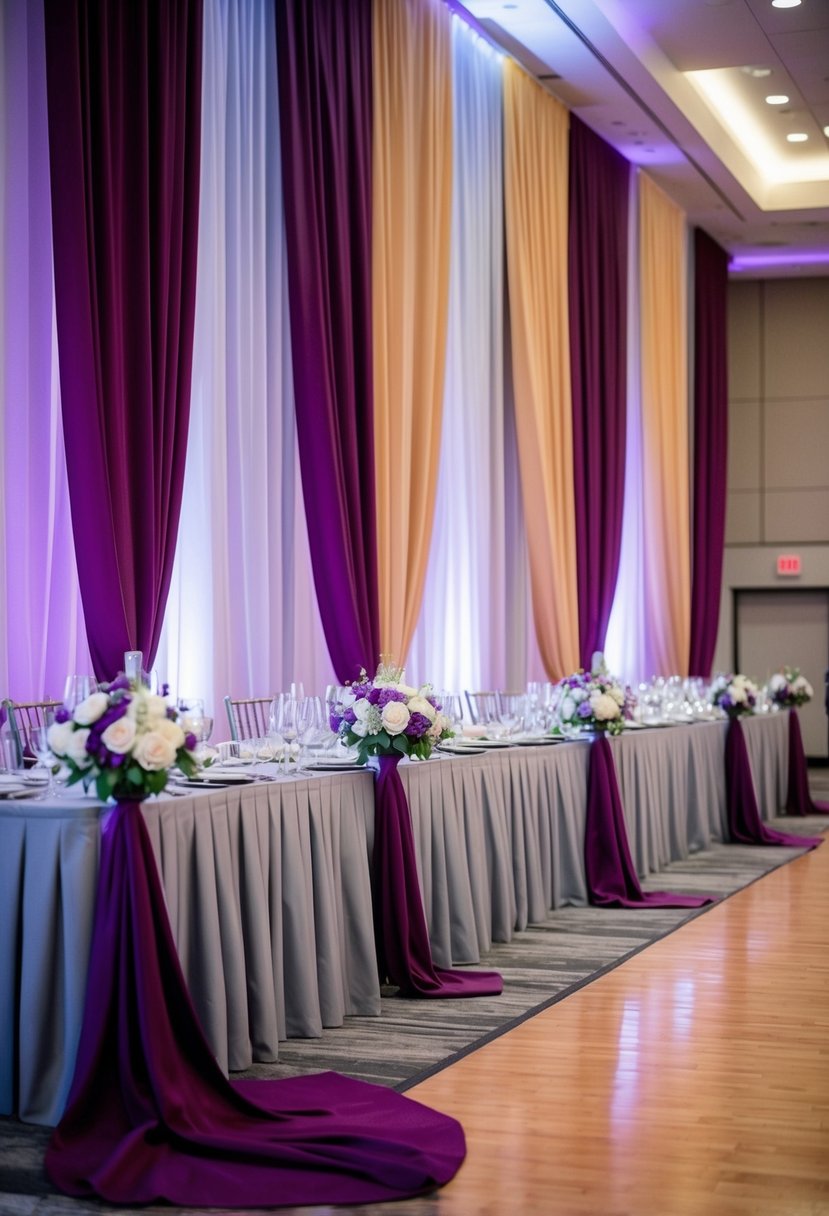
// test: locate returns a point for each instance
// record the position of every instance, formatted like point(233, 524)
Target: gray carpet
point(412, 1039)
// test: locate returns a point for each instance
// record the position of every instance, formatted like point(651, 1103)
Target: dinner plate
point(12, 792)
point(334, 766)
point(461, 749)
point(484, 743)
point(534, 741)
point(218, 777)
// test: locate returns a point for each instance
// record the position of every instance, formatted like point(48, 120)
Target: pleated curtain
point(666, 572)
point(242, 618)
point(42, 634)
point(412, 170)
point(461, 637)
point(535, 141)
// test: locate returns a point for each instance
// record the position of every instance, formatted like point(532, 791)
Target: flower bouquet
point(788, 688)
point(384, 716)
point(735, 695)
point(592, 701)
point(123, 740)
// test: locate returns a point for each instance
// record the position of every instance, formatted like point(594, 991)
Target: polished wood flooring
point(691, 1081)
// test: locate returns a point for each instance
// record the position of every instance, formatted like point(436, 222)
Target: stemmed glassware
point(77, 689)
point(39, 740)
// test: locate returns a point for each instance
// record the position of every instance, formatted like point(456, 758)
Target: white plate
point(12, 792)
point(486, 743)
point(460, 749)
point(218, 777)
point(334, 766)
point(534, 741)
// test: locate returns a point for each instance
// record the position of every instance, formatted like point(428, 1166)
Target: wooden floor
point(691, 1081)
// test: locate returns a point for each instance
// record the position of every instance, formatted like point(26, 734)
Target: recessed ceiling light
point(757, 73)
point(785, 3)
point(797, 137)
point(776, 99)
point(826, 130)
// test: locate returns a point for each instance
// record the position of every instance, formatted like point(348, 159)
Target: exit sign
point(788, 564)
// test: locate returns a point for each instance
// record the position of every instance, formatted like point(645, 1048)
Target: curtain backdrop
point(710, 446)
point(325, 75)
point(535, 127)
point(242, 617)
point(412, 168)
point(664, 372)
point(42, 635)
point(597, 261)
point(124, 96)
point(461, 637)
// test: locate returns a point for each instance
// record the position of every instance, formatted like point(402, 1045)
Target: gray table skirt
point(269, 895)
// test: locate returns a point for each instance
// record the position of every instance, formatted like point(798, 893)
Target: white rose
point(604, 707)
point(119, 736)
point(90, 710)
point(618, 694)
point(153, 752)
point(60, 737)
point(578, 695)
point(419, 705)
point(440, 724)
point(362, 709)
point(359, 728)
point(154, 706)
point(76, 750)
point(738, 693)
point(347, 698)
point(171, 731)
point(407, 690)
point(567, 709)
point(777, 682)
point(395, 717)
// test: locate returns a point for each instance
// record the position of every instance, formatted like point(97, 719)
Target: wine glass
point(39, 740)
point(77, 689)
point(286, 724)
point(309, 724)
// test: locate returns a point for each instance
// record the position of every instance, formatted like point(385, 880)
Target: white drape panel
point(42, 636)
point(242, 616)
point(460, 641)
point(626, 642)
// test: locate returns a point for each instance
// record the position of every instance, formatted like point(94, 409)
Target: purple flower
point(387, 695)
point(418, 726)
point(171, 713)
point(121, 682)
point(62, 714)
point(334, 722)
point(190, 741)
point(165, 690)
point(113, 713)
point(349, 716)
point(584, 710)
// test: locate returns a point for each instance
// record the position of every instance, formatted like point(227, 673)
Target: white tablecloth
point(269, 895)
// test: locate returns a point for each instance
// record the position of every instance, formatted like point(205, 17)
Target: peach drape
point(665, 447)
point(535, 149)
point(412, 195)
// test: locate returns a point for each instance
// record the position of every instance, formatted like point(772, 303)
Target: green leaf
point(400, 744)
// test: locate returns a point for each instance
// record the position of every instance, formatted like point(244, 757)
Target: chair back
point(23, 717)
point(248, 717)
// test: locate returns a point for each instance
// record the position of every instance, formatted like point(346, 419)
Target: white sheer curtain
point(460, 637)
point(42, 635)
point(626, 642)
point(242, 616)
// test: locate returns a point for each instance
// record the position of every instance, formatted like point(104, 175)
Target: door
point(788, 627)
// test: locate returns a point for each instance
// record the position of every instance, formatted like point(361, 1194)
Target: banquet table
point(269, 894)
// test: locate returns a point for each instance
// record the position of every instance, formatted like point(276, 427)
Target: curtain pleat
point(535, 128)
point(664, 385)
point(412, 169)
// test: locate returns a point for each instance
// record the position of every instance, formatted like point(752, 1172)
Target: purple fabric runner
point(325, 90)
point(598, 244)
point(151, 1117)
point(798, 799)
point(124, 99)
point(612, 881)
point(744, 823)
point(403, 951)
point(710, 446)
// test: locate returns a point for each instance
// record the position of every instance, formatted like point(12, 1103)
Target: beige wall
point(778, 458)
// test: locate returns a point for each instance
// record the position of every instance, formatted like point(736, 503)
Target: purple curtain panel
point(710, 447)
point(404, 952)
point(744, 823)
point(799, 800)
point(124, 101)
point(598, 260)
point(325, 91)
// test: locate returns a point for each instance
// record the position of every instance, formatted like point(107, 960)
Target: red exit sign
point(788, 564)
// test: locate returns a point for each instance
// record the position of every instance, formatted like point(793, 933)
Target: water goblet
point(77, 689)
point(39, 740)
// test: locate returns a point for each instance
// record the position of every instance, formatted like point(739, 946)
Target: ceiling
point(680, 87)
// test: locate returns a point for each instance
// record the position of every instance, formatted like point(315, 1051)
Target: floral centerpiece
point(123, 740)
point(734, 694)
point(385, 716)
point(593, 701)
point(788, 688)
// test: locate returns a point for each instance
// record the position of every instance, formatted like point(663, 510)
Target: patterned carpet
point(412, 1039)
